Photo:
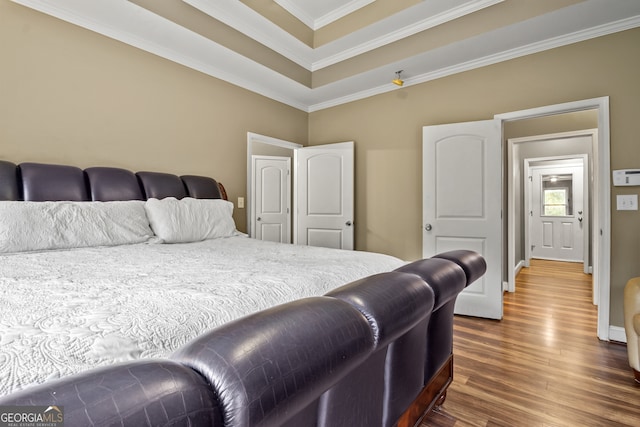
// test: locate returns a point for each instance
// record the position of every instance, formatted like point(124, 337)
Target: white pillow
point(190, 220)
point(32, 226)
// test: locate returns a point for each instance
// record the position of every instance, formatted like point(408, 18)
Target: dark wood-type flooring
point(542, 365)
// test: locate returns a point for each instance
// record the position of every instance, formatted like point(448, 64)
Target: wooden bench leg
point(432, 395)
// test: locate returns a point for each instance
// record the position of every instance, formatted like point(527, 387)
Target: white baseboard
point(616, 333)
point(518, 267)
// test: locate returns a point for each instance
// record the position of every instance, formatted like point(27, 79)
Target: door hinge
point(531, 178)
point(532, 247)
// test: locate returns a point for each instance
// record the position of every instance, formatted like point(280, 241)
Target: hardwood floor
point(542, 365)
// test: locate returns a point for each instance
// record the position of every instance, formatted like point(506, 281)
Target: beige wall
point(68, 95)
point(388, 131)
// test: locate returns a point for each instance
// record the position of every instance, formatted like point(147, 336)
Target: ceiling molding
point(327, 18)
point(396, 27)
point(481, 61)
point(238, 15)
point(138, 27)
point(403, 24)
point(340, 13)
point(294, 10)
point(145, 30)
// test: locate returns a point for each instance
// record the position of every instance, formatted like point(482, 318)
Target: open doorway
point(556, 215)
point(268, 149)
point(601, 194)
point(523, 151)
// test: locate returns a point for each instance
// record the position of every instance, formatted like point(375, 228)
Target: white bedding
point(63, 312)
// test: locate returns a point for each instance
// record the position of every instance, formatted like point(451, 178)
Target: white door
point(324, 195)
point(462, 204)
point(557, 213)
point(272, 195)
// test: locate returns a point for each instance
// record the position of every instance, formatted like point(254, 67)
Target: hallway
point(542, 365)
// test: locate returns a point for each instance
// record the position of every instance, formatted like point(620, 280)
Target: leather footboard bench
point(366, 354)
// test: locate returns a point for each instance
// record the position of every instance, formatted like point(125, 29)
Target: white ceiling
point(139, 27)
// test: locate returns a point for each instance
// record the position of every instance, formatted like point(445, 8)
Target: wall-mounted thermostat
point(626, 177)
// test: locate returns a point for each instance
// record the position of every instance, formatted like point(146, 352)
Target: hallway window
point(556, 190)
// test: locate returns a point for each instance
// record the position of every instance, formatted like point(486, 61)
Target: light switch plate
point(240, 202)
point(627, 202)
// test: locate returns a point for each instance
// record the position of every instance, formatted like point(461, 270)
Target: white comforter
point(63, 312)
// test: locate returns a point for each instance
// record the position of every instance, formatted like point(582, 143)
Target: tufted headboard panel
point(202, 187)
point(49, 182)
point(160, 185)
point(108, 184)
point(41, 182)
point(8, 181)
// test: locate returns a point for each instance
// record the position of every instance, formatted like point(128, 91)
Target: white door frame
point(529, 165)
point(251, 139)
point(601, 214)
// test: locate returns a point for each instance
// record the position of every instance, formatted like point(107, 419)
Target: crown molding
point(138, 27)
point(327, 18)
point(341, 12)
point(396, 27)
point(250, 23)
point(403, 24)
point(294, 10)
point(481, 61)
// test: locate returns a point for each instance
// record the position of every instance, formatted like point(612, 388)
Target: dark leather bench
point(377, 351)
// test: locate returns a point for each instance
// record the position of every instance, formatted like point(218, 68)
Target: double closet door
point(310, 203)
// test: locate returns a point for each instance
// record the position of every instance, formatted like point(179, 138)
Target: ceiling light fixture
point(398, 81)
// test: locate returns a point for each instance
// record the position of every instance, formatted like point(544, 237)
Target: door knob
point(428, 227)
point(348, 223)
point(258, 219)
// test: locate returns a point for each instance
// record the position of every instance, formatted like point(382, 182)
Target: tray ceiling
point(313, 55)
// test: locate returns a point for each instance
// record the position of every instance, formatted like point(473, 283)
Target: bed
point(73, 297)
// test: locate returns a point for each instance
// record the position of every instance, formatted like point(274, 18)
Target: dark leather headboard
point(202, 187)
point(160, 185)
point(48, 182)
point(8, 181)
point(108, 184)
point(41, 182)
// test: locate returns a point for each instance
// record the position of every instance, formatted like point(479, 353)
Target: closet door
point(272, 195)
